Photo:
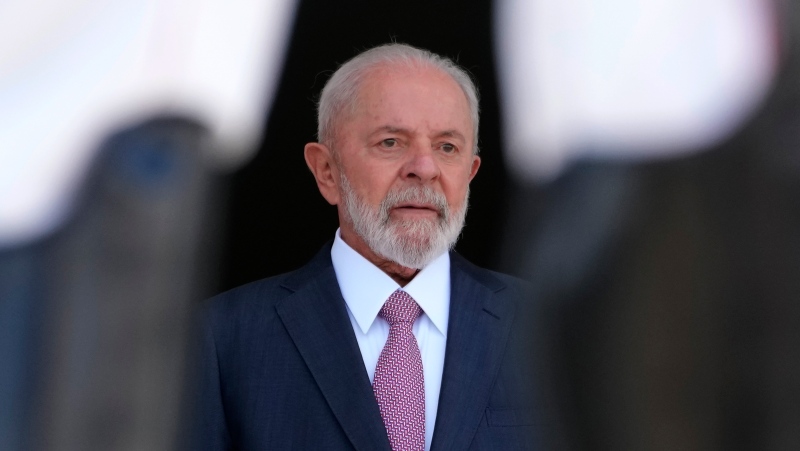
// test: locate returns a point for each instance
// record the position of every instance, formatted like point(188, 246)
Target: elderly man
point(385, 340)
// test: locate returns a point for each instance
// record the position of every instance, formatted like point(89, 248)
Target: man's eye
point(389, 142)
point(448, 148)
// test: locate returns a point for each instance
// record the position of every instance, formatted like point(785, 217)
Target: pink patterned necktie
point(399, 384)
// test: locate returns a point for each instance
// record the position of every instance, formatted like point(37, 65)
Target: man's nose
point(421, 164)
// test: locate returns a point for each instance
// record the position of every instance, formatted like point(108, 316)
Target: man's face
point(405, 160)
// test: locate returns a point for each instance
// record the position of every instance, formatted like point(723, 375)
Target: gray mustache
point(415, 194)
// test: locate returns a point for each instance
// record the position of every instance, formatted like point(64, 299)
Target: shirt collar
point(365, 287)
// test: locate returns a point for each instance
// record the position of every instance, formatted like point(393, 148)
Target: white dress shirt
point(365, 288)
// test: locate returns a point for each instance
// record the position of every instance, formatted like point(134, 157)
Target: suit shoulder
point(496, 281)
point(256, 301)
point(512, 281)
point(254, 298)
point(521, 291)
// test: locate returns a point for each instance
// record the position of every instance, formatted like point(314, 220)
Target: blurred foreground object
point(109, 298)
point(673, 283)
point(117, 117)
point(627, 79)
point(71, 71)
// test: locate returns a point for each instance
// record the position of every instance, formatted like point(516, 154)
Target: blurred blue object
point(21, 307)
point(95, 317)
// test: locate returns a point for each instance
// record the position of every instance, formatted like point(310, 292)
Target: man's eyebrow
point(451, 134)
point(390, 129)
point(394, 129)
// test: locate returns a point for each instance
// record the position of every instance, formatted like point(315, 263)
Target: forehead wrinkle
point(358, 103)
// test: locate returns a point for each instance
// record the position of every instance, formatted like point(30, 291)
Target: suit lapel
point(480, 322)
point(316, 318)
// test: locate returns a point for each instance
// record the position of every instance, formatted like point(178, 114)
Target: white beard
point(409, 243)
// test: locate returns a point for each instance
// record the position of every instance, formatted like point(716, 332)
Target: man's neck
point(399, 273)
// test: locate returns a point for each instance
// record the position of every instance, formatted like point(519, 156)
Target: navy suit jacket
point(281, 368)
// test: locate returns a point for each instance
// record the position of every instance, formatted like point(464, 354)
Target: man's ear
point(321, 163)
point(476, 163)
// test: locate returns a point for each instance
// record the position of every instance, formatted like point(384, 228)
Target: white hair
point(410, 243)
point(341, 90)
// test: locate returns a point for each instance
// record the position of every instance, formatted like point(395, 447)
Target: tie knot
point(400, 308)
